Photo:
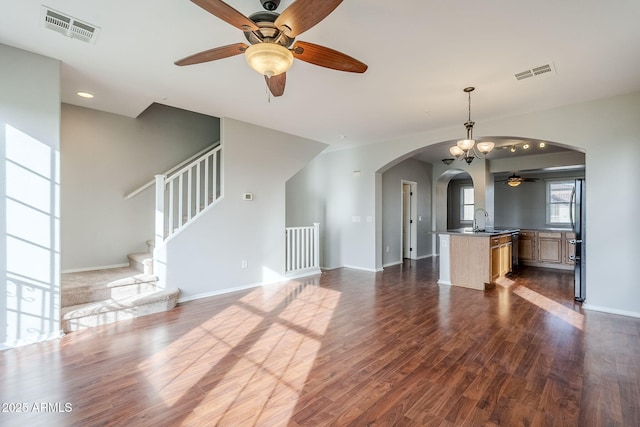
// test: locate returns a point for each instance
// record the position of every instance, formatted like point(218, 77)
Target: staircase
point(99, 297)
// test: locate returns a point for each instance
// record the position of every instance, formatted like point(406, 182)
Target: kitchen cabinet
point(546, 248)
point(550, 247)
point(527, 245)
point(500, 256)
point(474, 260)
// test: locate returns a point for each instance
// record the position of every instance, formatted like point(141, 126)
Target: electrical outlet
point(244, 263)
point(387, 248)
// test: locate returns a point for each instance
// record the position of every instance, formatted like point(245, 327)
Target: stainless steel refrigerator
point(578, 208)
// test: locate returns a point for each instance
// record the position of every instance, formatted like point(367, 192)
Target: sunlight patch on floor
point(560, 311)
point(206, 346)
point(257, 352)
point(272, 373)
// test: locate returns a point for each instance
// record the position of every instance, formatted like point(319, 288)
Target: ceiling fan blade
point(227, 14)
point(328, 58)
point(213, 54)
point(304, 14)
point(276, 84)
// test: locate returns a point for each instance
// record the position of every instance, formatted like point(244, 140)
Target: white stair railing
point(302, 250)
point(170, 171)
point(182, 196)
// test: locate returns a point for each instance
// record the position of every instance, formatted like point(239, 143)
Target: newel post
point(316, 244)
point(159, 225)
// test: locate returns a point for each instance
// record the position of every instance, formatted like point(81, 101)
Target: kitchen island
point(475, 259)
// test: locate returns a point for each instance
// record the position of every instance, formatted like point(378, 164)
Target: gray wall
point(303, 198)
point(514, 207)
point(409, 170)
point(104, 157)
point(524, 206)
point(205, 258)
point(29, 197)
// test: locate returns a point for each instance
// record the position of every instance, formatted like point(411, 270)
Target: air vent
point(69, 26)
point(542, 70)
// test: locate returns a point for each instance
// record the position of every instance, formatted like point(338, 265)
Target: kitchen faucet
point(475, 221)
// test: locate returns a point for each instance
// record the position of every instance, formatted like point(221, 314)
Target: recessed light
point(542, 145)
point(513, 149)
point(85, 95)
point(525, 147)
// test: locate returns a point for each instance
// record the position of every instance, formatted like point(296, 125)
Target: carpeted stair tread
point(140, 256)
point(99, 307)
point(141, 261)
point(105, 278)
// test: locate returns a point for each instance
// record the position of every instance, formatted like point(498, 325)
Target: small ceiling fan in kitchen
point(515, 180)
point(271, 36)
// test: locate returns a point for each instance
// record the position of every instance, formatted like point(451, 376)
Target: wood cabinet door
point(550, 250)
point(495, 262)
point(506, 258)
point(526, 249)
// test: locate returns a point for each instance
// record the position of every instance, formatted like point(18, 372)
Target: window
point(466, 203)
point(559, 202)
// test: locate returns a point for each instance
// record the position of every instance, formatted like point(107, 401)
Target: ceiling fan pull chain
point(268, 92)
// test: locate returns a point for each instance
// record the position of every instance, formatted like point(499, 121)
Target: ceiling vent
point(542, 70)
point(69, 26)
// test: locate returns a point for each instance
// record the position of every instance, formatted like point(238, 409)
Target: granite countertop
point(489, 231)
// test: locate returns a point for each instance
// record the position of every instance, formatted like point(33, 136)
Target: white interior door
point(408, 220)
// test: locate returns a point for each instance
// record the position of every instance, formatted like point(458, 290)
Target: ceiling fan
point(271, 38)
point(515, 180)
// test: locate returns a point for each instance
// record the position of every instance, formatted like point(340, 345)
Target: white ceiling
point(420, 53)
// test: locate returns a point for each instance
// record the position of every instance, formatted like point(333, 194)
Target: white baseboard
point(303, 273)
point(307, 273)
point(425, 256)
point(218, 292)
point(444, 282)
point(391, 264)
point(371, 270)
point(100, 267)
point(611, 310)
point(329, 268)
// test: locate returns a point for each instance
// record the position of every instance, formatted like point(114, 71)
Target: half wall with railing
point(302, 250)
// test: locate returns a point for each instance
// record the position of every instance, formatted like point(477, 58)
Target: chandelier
point(467, 148)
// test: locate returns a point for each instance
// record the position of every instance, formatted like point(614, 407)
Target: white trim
point(311, 271)
point(611, 310)
point(329, 268)
point(371, 270)
point(426, 256)
point(391, 264)
point(240, 288)
point(100, 267)
point(444, 282)
point(219, 292)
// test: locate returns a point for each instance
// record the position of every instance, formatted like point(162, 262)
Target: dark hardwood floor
point(350, 348)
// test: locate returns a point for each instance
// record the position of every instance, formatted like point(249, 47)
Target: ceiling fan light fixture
point(269, 59)
point(513, 183)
